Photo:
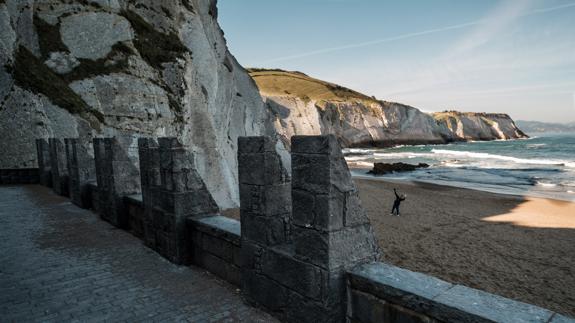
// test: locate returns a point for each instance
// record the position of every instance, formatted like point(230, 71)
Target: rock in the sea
point(385, 168)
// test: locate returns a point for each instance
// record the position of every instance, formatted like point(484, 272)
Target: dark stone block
point(251, 256)
point(313, 144)
point(256, 144)
point(264, 291)
point(261, 169)
point(218, 247)
point(365, 308)
point(191, 203)
point(311, 173)
point(320, 211)
point(218, 226)
point(394, 313)
point(311, 246)
point(219, 267)
point(269, 200)
point(305, 278)
point(58, 166)
point(265, 230)
point(44, 164)
point(303, 309)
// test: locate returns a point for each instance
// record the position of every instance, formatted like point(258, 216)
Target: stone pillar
point(81, 171)
point(172, 191)
point(331, 229)
point(265, 192)
point(58, 166)
point(117, 176)
point(265, 215)
point(300, 276)
point(149, 154)
point(44, 164)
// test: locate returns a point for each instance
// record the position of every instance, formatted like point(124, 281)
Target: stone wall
point(215, 245)
point(380, 292)
point(304, 250)
point(19, 176)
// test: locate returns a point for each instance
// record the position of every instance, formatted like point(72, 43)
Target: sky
point(510, 56)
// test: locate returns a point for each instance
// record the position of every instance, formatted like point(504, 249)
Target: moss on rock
point(49, 37)
point(155, 47)
point(31, 74)
point(115, 62)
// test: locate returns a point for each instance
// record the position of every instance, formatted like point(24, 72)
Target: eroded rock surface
point(125, 68)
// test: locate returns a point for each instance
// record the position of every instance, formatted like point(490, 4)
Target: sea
point(541, 166)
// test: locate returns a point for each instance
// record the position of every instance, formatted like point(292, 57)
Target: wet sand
point(521, 248)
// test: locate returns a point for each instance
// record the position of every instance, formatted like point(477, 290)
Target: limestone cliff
point(306, 106)
point(478, 126)
point(125, 67)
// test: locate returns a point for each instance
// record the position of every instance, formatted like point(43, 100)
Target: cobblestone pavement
point(62, 263)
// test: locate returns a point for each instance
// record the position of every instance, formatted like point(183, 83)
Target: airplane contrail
point(405, 36)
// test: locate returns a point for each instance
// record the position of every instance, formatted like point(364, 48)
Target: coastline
point(516, 246)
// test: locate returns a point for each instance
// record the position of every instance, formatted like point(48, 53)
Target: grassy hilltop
point(278, 82)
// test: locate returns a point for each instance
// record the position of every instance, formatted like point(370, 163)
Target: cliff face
point(479, 126)
point(122, 68)
point(306, 106)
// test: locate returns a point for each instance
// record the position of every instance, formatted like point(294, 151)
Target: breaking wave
point(516, 160)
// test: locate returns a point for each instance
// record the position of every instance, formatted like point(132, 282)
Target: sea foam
point(516, 160)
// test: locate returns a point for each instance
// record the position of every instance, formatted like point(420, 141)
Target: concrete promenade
point(62, 263)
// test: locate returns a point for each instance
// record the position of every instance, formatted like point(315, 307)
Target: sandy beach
point(519, 247)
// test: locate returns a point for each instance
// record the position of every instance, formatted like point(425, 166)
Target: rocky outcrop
point(106, 68)
point(478, 126)
point(306, 106)
point(385, 168)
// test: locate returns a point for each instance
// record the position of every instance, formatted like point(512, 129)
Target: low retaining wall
point(19, 176)
point(380, 292)
point(307, 252)
point(216, 246)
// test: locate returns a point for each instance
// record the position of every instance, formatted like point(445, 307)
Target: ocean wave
point(357, 158)
point(358, 151)
point(516, 160)
point(360, 164)
point(399, 155)
point(546, 184)
point(536, 146)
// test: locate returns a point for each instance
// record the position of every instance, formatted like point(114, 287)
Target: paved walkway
point(62, 263)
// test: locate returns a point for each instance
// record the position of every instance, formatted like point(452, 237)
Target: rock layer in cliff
point(303, 105)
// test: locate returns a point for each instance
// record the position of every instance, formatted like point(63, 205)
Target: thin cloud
point(409, 35)
point(497, 21)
